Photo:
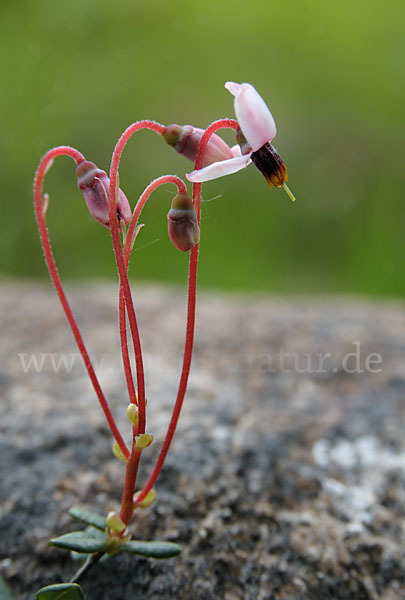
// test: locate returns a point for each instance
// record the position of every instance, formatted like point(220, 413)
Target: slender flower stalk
point(190, 324)
point(127, 504)
point(127, 252)
point(40, 212)
point(128, 245)
point(124, 349)
point(142, 201)
point(124, 283)
point(125, 291)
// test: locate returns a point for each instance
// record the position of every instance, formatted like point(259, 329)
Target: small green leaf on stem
point(60, 591)
point(152, 549)
point(5, 592)
point(88, 517)
point(87, 541)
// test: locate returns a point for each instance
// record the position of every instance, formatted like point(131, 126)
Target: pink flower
point(257, 131)
point(95, 184)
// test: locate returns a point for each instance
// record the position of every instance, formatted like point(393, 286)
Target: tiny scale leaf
point(60, 591)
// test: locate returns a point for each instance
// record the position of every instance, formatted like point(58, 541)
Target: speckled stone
point(286, 476)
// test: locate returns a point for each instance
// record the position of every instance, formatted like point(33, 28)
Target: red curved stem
point(43, 167)
point(191, 305)
point(124, 283)
point(145, 196)
point(127, 251)
point(133, 463)
point(125, 292)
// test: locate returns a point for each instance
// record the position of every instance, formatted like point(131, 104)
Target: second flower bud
point(183, 228)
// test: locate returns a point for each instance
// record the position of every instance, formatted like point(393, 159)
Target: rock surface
point(286, 476)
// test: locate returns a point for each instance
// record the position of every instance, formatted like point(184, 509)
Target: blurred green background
point(332, 73)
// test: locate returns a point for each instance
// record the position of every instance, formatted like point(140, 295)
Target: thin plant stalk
point(40, 212)
point(131, 232)
point(124, 283)
point(191, 306)
point(133, 462)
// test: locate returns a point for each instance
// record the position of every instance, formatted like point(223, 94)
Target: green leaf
point(5, 592)
point(152, 549)
point(60, 591)
point(78, 557)
point(88, 518)
point(87, 541)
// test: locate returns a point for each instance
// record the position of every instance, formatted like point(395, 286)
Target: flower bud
point(95, 186)
point(183, 228)
point(143, 440)
point(185, 140)
point(114, 522)
point(147, 501)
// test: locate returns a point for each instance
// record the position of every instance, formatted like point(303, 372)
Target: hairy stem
point(124, 283)
point(191, 306)
point(127, 251)
point(40, 212)
point(125, 292)
point(133, 462)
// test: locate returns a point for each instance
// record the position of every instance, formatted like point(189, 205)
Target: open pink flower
point(257, 131)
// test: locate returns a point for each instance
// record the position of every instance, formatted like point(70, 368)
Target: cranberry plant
point(212, 157)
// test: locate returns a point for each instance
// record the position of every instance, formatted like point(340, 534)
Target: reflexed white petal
point(219, 169)
point(232, 87)
point(254, 118)
point(236, 151)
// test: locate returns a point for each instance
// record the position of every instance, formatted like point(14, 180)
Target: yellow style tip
point(289, 192)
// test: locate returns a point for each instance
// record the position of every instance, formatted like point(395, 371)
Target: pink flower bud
point(95, 186)
point(183, 228)
point(185, 140)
